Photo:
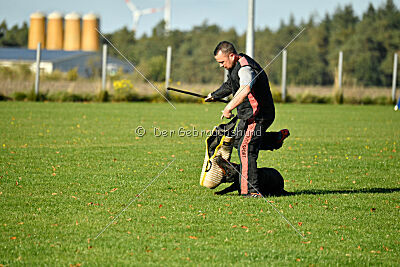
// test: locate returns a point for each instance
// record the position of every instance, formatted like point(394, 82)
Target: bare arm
point(239, 97)
point(246, 76)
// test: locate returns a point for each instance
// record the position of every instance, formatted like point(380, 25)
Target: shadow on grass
point(324, 192)
point(345, 191)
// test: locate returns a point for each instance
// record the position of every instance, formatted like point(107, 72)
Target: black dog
point(271, 181)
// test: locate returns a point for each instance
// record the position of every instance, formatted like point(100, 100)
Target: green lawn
point(66, 170)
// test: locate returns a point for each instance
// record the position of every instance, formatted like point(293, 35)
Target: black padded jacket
point(259, 104)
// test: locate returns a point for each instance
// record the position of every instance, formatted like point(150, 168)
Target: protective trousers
point(248, 141)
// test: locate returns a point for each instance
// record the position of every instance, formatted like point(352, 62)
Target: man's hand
point(209, 98)
point(227, 113)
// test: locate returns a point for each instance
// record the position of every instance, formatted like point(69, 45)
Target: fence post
point(250, 29)
point(104, 68)
point(338, 91)
point(168, 70)
point(394, 78)
point(284, 61)
point(37, 77)
point(340, 70)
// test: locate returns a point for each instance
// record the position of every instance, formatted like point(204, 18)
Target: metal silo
point(37, 30)
point(90, 37)
point(54, 37)
point(72, 32)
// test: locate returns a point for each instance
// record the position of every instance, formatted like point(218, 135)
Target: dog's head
point(231, 170)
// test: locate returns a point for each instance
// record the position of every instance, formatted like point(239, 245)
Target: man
point(252, 98)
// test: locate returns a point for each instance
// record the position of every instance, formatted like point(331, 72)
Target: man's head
point(225, 54)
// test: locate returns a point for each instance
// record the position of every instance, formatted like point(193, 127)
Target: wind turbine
point(136, 13)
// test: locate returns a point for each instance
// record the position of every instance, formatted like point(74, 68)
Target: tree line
point(368, 43)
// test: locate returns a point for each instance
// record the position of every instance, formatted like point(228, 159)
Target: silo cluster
point(69, 33)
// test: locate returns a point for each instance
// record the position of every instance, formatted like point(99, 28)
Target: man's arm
point(246, 76)
point(239, 97)
point(224, 91)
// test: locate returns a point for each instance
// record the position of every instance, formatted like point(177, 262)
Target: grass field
point(66, 170)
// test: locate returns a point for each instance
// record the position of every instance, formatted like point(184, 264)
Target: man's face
point(225, 60)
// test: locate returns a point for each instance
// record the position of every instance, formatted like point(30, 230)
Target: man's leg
point(274, 140)
point(249, 148)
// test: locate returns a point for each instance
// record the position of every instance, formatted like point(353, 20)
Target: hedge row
point(105, 96)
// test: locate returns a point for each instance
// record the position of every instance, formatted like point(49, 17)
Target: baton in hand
point(194, 94)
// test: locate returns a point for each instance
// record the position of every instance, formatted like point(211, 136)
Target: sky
point(114, 14)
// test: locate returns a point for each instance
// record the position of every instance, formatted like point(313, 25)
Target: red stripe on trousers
point(244, 158)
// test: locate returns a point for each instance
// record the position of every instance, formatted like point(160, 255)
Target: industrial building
point(85, 61)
